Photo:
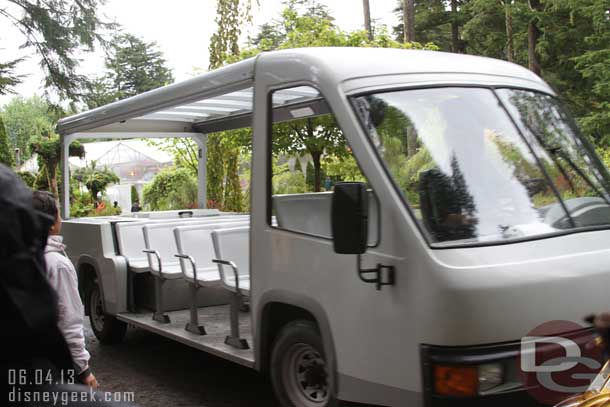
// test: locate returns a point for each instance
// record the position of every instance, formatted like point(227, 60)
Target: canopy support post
point(65, 174)
point(201, 141)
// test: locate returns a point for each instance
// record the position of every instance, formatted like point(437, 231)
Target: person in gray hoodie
point(62, 276)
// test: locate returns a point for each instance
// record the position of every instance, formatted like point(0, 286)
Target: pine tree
point(135, 67)
point(56, 31)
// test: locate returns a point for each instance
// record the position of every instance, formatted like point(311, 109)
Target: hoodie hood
point(55, 244)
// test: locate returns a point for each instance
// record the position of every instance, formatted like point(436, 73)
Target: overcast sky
point(181, 28)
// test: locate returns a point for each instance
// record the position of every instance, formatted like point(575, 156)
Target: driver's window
point(310, 155)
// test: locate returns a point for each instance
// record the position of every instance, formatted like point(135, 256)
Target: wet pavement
point(162, 372)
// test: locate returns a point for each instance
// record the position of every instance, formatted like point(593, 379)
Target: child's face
point(56, 228)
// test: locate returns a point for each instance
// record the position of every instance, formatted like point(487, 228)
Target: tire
point(106, 328)
point(299, 369)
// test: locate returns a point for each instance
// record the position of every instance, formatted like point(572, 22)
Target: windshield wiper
point(558, 151)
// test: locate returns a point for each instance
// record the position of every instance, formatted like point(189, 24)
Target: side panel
point(362, 321)
point(91, 241)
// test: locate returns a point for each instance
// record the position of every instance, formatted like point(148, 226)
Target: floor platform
point(215, 319)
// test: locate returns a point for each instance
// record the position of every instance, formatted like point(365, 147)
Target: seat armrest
point(235, 271)
point(158, 256)
point(193, 265)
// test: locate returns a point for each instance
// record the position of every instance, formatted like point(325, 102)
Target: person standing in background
point(62, 276)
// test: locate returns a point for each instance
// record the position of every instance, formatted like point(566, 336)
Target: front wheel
point(106, 328)
point(300, 373)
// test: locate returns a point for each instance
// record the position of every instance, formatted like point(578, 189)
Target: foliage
point(223, 189)
point(56, 31)
point(95, 180)
point(233, 194)
point(134, 194)
point(6, 153)
point(48, 148)
point(185, 152)
point(287, 182)
point(82, 206)
point(230, 17)
point(172, 188)
point(215, 171)
point(571, 45)
point(133, 67)
point(26, 119)
point(306, 23)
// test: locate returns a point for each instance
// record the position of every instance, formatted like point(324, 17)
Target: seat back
point(310, 213)
point(232, 245)
point(159, 237)
point(196, 241)
point(130, 239)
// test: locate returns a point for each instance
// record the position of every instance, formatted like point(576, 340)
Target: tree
point(408, 20)
point(367, 19)
point(231, 15)
point(26, 119)
point(6, 155)
point(432, 22)
point(307, 24)
point(48, 148)
point(508, 22)
point(133, 67)
point(594, 66)
point(95, 180)
point(215, 171)
point(134, 194)
point(56, 31)
point(533, 33)
point(172, 188)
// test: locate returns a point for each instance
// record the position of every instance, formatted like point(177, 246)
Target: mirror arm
point(378, 278)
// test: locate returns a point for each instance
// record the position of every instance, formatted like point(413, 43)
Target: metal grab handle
point(158, 256)
point(193, 265)
point(235, 272)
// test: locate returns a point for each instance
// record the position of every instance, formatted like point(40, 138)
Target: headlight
point(490, 376)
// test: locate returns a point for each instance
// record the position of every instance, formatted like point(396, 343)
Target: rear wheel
point(106, 328)
point(300, 373)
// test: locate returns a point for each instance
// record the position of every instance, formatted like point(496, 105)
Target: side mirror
point(349, 218)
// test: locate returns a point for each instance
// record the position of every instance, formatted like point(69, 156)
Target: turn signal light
point(460, 381)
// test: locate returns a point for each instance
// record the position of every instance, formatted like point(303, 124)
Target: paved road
point(164, 373)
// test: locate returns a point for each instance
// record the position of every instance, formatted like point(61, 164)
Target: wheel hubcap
point(97, 311)
point(305, 371)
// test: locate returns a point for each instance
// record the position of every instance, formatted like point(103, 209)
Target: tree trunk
point(52, 177)
point(455, 29)
point(408, 20)
point(317, 173)
point(533, 33)
point(508, 21)
point(411, 142)
point(367, 19)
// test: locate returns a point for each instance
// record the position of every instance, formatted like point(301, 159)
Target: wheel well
point(86, 278)
point(275, 316)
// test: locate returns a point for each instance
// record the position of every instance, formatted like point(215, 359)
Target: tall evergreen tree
point(135, 66)
point(55, 31)
point(231, 15)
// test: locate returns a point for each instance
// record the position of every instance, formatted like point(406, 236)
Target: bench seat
point(205, 275)
point(138, 265)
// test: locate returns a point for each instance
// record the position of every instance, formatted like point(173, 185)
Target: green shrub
point(172, 188)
